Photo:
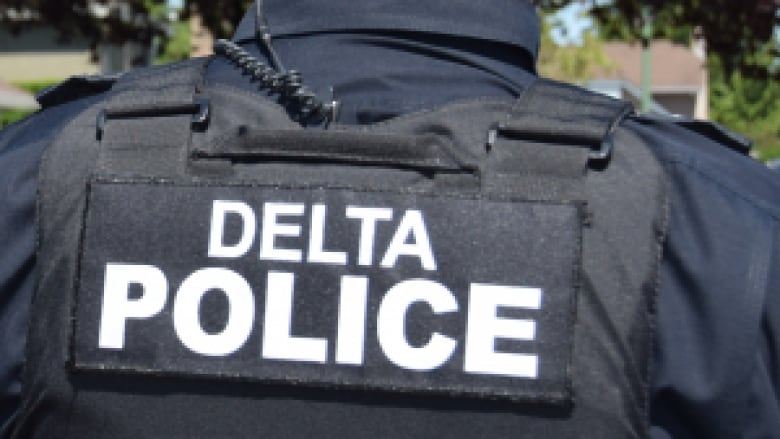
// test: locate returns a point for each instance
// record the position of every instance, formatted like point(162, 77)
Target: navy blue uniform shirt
point(717, 364)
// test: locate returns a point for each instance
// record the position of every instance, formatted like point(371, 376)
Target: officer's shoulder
point(84, 86)
point(710, 154)
point(75, 88)
point(709, 132)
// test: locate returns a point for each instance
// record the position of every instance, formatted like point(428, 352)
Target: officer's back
point(463, 267)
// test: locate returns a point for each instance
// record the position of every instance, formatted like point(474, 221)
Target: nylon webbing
point(549, 139)
point(153, 112)
point(553, 117)
point(424, 152)
point(552, 132)
point(556, 112)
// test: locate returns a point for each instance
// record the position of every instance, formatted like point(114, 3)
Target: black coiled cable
point(302, 104)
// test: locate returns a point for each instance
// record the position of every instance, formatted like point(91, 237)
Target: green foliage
point(7, 117)
point(179, 46)
point(744, 61)
point(614, 25)
point(571, 63)
point(156, 8)
point(749, 105)
point(733, 29)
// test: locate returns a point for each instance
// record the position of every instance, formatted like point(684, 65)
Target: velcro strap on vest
point(557, 113)
point(164, 101)
point(424, 152)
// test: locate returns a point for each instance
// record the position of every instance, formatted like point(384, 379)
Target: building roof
point(674, 67)
point(16, 99)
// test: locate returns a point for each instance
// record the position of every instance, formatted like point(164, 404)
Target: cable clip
point(301, 103)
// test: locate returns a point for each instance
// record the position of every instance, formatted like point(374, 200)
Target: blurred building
point(679, 77)
point(38, 53)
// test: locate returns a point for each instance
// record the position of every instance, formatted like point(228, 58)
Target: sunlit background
point(665, 57)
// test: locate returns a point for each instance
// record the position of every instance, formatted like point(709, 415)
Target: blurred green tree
point(734, 30)
point(748, 104)
point(742, 42)
point(576, 63)
point(100, 21)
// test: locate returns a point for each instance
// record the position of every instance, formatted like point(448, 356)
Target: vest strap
point(557, 113)
point(156, 110)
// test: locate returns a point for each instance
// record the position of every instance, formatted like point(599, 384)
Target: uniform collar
point(512, 22)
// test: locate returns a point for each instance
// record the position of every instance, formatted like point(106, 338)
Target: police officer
point(714, 365)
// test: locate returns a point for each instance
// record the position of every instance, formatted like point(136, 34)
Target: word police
point(282, 221)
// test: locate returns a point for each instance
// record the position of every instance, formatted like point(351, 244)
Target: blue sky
point(175, 3)
point(573, 21)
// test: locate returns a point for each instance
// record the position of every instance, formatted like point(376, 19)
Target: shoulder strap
point(75, 87)
point(166, 100)
point(549, 140)
point(81, 86)
point(189, 72)
point(157, 91)
point(717, 133)
point(554, 112)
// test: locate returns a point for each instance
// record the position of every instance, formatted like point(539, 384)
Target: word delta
point(484, 326)
point(411, 226)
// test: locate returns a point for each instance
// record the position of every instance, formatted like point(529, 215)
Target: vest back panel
point(394, 280)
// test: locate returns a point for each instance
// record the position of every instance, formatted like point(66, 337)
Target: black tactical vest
point(207, 268)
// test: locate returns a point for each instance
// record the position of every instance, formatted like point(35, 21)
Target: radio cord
point(301, 103)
